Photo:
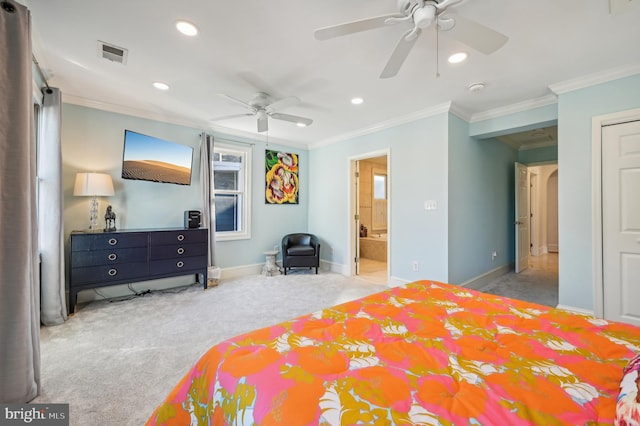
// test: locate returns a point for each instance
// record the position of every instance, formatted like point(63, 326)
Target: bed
point(426, 353)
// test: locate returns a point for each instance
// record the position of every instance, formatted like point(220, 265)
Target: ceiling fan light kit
point(421, 14)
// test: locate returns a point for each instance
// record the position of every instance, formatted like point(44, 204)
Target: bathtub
point(374, 247)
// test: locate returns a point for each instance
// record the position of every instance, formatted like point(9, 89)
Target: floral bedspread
point(426, 353)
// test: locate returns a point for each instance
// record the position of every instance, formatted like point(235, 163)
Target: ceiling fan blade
point(444, 4)
point(399, 54)
point(236, 101)
point(292, 118)
point(353, 27)
point(282, 103)
point(262, 123)
point(227, 117)
point(475, 35)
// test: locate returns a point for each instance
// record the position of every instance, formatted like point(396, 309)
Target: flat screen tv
point(155, 160)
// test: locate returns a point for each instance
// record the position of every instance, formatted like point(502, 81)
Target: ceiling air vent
point(112, 52)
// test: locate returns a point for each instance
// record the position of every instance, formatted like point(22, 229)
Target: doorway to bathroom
point(370, 213)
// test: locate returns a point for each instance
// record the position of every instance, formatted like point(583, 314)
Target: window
point(379, 201)
point(231, 177)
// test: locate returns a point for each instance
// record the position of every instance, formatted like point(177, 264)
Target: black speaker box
point(192, 219)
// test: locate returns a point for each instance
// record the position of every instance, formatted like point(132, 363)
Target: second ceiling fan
point(263, 107)
point(421, 14)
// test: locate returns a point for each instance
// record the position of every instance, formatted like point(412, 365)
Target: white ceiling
point(245, 46)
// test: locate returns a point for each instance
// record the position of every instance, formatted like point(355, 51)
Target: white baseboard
point(576, 310)
point(338, 268)
point(481, 280)
point(241, 271)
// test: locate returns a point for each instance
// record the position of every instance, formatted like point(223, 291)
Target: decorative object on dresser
point(109, 220)
point(93, 185)
point(122, 257)
point(192, 218)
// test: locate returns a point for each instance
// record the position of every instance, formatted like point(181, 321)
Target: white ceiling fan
point(421, 14)
point(263, 107)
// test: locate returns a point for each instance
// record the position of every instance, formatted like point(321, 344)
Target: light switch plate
point(431, 205)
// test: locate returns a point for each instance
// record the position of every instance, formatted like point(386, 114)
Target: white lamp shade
point(93, 184)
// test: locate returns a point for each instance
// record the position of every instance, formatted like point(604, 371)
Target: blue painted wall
point(418, 172)
point(92, 140)
point(575, 219)
point(481, 203)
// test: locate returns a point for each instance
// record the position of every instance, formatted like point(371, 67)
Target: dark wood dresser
point(100, 259)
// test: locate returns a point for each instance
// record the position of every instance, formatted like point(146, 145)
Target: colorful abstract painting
point(281, 177)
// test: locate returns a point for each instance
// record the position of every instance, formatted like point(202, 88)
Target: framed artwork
point(281, 177)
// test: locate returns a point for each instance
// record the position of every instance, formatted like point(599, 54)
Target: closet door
point(621, 221)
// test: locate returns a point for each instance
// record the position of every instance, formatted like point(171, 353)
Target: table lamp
point(93, 185)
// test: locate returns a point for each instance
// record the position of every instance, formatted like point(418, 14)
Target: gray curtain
point(206, 187)
point(50, 206)
point(19, 282)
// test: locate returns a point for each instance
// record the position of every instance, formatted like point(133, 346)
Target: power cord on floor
point(144, 293)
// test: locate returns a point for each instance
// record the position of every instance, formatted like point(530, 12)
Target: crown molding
point(593, 79)
point(514, 108)
point(417, 115)
point(180, 121)
point(460, 113)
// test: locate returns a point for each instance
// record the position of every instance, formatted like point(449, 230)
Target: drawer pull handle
point(180, 264)
point(113, 256)
point(180, 250)
point(180, 237)
point(113, 241)
point(112, 272)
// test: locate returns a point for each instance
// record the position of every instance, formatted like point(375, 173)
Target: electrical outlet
point(494, 255)
point(415, 265)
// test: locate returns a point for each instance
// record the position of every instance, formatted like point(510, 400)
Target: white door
point(621, 222)
point(522, 216)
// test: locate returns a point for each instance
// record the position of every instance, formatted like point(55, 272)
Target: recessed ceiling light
point(357, 101)
point(456, 58)
point(160, 85)
point(187, 28)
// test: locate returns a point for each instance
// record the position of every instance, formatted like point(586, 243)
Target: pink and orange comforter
point(426, 353)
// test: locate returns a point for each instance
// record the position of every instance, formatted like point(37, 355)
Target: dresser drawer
point(186, 236)
point(107, 273)
point(84, 242)
point(160, 267)
point(177, 251)
point(108, 257)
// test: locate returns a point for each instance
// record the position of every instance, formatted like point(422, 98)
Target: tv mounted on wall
point(156, 160)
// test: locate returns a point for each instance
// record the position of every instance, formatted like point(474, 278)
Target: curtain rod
point(35, 61)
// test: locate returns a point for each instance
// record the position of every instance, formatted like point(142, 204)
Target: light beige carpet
point(115, 362)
